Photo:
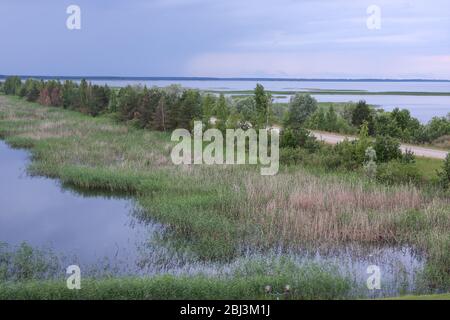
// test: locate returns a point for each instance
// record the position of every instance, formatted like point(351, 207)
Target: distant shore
point(156, 78)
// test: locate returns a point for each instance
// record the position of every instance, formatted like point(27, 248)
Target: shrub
point(408, 157)
point(444, 175)
point(395, 172)
point(291, 156)
point(387, 148)
point(294, 138)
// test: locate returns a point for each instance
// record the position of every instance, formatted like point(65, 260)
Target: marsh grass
point(217, 210)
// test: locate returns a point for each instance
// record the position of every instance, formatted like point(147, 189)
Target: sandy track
point(333, 138)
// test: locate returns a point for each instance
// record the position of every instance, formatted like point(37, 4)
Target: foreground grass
point(216, 210)
point(170, 287)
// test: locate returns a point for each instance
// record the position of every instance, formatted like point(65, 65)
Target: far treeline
point(376, 152)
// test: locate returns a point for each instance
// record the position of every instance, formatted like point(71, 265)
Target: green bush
point(396, 172)
point(294, 138)
point(444, 174)
point(387, 149)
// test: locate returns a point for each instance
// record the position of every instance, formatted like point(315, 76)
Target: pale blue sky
point(227, 38)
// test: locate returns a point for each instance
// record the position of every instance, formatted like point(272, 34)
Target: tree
point(128, 101)
point(247, 108)
point(12, 85)
point(385, 125)
point(208, 102)
point(30, 90)
point(331, 120)
point(191, 108)
point(84, 96)
point(55, 92)
point(98, 100)
point(70, 95)
point(262, 104)
point(362, 113)
point(222, 112)
point(148, 103)
point(301, 106)
point(173, 107)
point(113, 101)
point(438, 127)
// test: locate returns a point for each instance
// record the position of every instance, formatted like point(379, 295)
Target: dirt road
point(333, 138)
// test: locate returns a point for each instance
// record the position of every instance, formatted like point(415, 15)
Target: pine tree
point(262, 102)
point(147, 106)
point(190, 108)
point(84, 96)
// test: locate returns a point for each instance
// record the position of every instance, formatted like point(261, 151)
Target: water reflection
point(87, 229)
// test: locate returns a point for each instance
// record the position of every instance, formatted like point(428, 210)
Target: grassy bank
point(169, 287)
point(218, 210)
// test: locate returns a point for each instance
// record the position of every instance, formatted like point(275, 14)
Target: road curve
point(334, 138)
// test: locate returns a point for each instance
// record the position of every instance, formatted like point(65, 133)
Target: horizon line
point(203, 78)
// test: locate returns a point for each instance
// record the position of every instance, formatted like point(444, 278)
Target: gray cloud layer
point(321, 38)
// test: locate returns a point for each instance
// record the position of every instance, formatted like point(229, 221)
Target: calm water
point(85, 229)
point(422, 107)
point(106, 233)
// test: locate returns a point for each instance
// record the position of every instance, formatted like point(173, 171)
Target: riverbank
point(216, 212)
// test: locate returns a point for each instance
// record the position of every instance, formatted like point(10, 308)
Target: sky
point(227, 38)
